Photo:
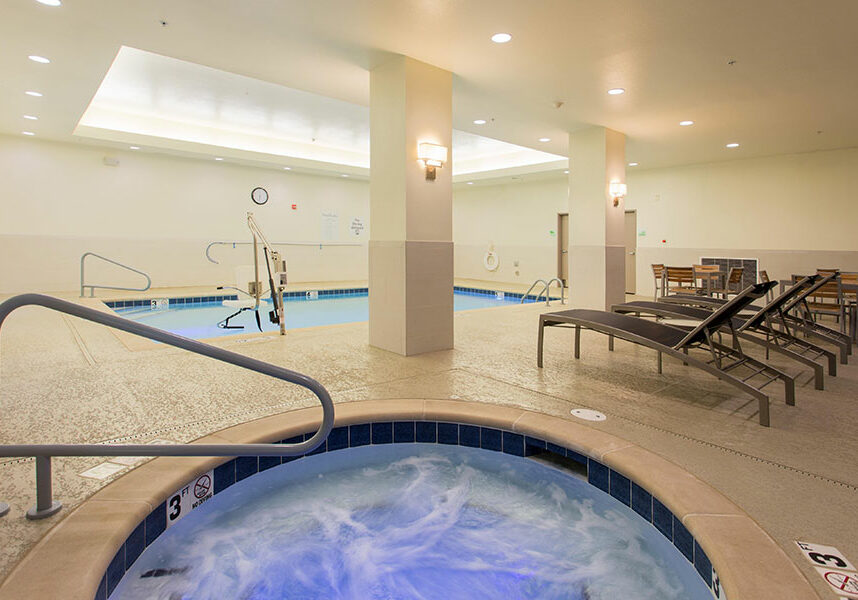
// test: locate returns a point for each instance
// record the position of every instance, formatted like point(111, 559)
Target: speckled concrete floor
point(66, 380)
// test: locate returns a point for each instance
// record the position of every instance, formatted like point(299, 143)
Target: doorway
point(631, 239)
point(563, 247)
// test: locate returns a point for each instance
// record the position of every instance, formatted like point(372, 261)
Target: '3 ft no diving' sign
point(835, 568)
point(189, 497)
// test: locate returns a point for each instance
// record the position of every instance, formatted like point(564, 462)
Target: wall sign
point(357, 226)
point(189, 497)
point(330, 223)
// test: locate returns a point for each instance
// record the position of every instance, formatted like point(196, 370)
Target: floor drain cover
point(587, 414)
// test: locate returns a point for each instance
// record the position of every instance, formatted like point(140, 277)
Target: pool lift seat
point(758, 329)
point(723, 361)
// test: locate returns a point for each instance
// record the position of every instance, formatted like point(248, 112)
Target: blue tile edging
point(301, 295)
point(623, 489)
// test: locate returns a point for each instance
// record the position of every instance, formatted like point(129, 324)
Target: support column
point(597, 267)
point(411, 218)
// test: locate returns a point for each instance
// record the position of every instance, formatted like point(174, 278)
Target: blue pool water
point(412, 521)
point(200, 320)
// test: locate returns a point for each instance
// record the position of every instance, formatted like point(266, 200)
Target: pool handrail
point(45, 506)
point(241, 243)
point(92, 287)
point(545, 290)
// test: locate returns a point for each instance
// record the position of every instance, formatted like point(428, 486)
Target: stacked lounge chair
point(726, 362)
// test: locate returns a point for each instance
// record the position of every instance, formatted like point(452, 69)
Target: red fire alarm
point(294, 207)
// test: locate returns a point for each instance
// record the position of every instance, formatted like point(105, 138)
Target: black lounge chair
point(795, 312)
point(677, 343)
point(759, 328)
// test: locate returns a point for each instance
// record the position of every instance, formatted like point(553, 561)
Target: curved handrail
point(544, 289)
point(560, 285)
point(319, 244)
point(109, 287)
point(171, 339)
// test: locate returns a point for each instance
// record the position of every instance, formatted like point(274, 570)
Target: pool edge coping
point(70, 560)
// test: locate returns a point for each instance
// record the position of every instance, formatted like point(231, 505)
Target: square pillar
point(411, 218)
point(597, 267)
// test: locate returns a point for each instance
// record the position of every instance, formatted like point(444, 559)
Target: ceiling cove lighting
point(34, 94)
point(633, 164)
point(39, 59)
point(616, 91)
point(28, 133)
point(686, 123)
point(479, 121)
point(31, 118)
point(544, 139)
point(50, 2)
point(733, 145)
point(501, 38)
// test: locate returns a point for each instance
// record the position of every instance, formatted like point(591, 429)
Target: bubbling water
point(411, 522)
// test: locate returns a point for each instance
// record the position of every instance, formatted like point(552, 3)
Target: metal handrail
point(45, 506)
point(560, 285)
point(109, 287)
point(319, 244)
point(544, 289)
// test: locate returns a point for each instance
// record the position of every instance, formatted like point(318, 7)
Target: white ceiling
point(152, 101)
point(794, 73)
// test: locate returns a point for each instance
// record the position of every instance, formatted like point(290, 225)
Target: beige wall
point(793, 213)
point(517, 218)
point(157, 213)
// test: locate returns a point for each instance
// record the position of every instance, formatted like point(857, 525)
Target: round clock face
point(259, 195)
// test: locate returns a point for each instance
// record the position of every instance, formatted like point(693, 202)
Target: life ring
point(491, 261)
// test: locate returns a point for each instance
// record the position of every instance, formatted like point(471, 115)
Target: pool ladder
point(544, 290)
point(45, 504)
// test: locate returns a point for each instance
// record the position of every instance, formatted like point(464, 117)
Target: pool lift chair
point(794, 312)
point(758, 329)
point(723, 361)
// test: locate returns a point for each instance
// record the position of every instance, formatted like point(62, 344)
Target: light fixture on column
point(432, 156)
point(617, 191)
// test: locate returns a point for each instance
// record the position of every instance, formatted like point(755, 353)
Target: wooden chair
point(705, 274)
point(734, 283)
point(829, 299)
point(683, 277)
point(657, 271)
point(764, 278)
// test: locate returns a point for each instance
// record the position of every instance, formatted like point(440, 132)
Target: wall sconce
point(432, 156)
point(617, 191)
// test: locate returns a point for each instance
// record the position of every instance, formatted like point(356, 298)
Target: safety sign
point(844, 582)
point(189, 497)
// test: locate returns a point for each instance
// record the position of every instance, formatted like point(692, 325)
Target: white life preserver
point(491, 261)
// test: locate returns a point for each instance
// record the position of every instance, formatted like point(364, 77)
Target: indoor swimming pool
point(198, 318)
point(409, 521)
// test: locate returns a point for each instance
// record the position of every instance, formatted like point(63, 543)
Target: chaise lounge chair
point(759, 328)
point(795, 312)
point(675, 342)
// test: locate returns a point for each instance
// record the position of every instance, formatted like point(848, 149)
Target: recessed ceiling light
point(544, 139)
point(287, 168)
point(633, 164)
point(31, 117)
point(686, 123)
point(733, 145)
point(616, 91)
point(501, 38)
point(218, 158)
point(343, 175)
point(50, 2)
point(28, 133)
point(133, 147)
point(36, 94)
point(470, 183)
point(479, 121)
point(566, 171)
point(39, 59)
